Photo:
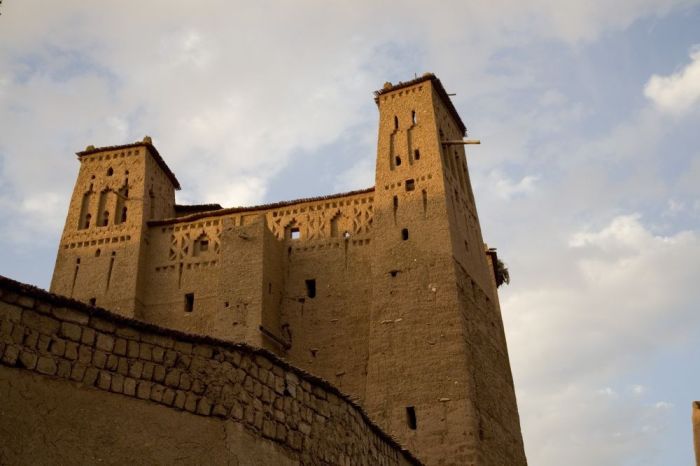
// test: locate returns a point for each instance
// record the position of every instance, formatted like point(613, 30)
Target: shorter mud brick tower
point(389, 293)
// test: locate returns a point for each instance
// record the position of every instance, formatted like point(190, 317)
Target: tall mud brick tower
point(389, 293)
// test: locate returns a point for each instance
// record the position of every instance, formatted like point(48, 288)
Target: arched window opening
point(110, 171)
point(97, 253)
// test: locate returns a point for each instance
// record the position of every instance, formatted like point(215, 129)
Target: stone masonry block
point(11, 355)
point(10, 312)
point(143, 390)
point(263, 362)
point(180, 398)
point(203, 407)
point(172, 379)
point(88, 337)
point(120, 347)
point(145, 352)
point(169, 396)
point(85, 354)
point(71, 331)
point(91, 375)
point(104, 342)
point(191, 402)
point(71, 350)
point(99, 359)
point(123, 366)
point(40, 322)
point(17, 335)
point(58, 347)
point(104, 381)
point(71, 315)
point(102, 325)
point(132, 349)
point(64, 368)
point(170, 358)
point(28, 359)
point(159, 373)
point(31, 338)
point(158, 354)
point(117, 383)
point(136, 369)
point(220, 411)
point(157, 393)
point(112, 362)
point(147, 371)
point(129, 387)
point(204, 351)
point(46, 365)
point(26, 301)
point(183, 347)
point(128, 333)
point(78, 372)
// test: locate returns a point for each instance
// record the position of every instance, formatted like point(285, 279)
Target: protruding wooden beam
point(462, 142)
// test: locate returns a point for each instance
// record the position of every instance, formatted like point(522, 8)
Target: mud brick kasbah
point(354, 328)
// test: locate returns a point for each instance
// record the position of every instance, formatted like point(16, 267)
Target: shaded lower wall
point(83, 385)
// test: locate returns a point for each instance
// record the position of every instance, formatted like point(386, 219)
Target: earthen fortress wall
point(388, 293)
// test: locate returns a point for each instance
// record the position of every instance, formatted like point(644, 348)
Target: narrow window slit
point(411, 417)
point(311, 288)
point(404, 234)
point(189, 302)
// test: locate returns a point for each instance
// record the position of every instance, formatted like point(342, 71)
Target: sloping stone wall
point(48, 340)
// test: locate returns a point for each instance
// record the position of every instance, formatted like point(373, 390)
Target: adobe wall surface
point(83, 385)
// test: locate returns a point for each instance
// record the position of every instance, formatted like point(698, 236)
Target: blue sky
point(587, 180)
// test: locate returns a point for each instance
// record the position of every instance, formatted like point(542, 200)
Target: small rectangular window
point(189, 302)
point(204, 245)
point(294, 233)
point(411, 417)
point(311, 288)
point(410, 185)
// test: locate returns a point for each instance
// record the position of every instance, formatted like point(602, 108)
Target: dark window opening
point(294, 233)
point(398, 160)
point(269, 288)
point(77, 261)
point(411, 417)
point(396, 122)
point(416, 154)
point(225, 303)
point(97, 253)
point(110, 171)
point(105, 219)
point(114, 253)
point(413, 117)
point(396, 203)
point(393, 273)
point(404, 234)
point(123, 215)
point(204, 245)
point(189, 302)
point(93, 301)
point(311, 288)
point(410, 185)
point(87, 221)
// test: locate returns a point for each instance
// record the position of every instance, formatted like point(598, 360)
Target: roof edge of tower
point(145, 143)
point(389, 87)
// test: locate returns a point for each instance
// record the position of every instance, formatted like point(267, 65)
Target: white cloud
point(621, 294)
point(679, 92)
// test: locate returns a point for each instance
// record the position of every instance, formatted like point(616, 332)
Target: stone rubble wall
point(90, 347)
